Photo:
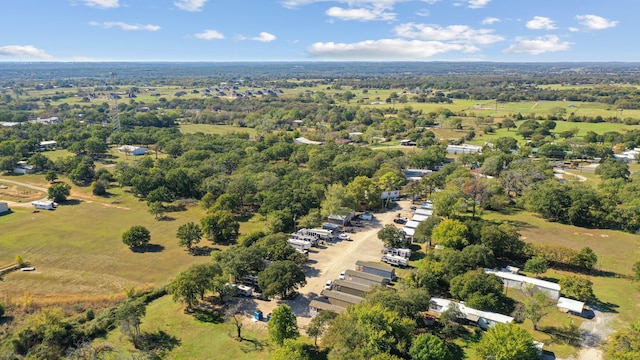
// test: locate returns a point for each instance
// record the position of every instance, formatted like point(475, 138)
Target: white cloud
point(26, 51)
point(595, 22)
point(125, 26)
point(385, 49)
point(190, 5)
point(263, 37)
point(209, 35)
point(574, 29)
point(477, 4)
point(541, 23)
point(452, 33)
point(360, 14)
point(423, 12)
point(540, 45)
point(382, 4)
point(490, 20)
point(103, 4)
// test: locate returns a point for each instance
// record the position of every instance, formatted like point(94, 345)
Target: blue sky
point(320, 30)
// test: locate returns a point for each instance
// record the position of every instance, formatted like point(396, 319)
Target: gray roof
point(366, 276)
point(321, 305)
point(352, 285)
point(377, 266)
point(348, 298)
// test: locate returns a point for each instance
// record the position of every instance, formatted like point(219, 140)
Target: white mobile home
point(132, 150)
point(44, 205)
point(515, 281)
point(570, 306)
point(426, 212)
point(464, 149)
point(484, 319)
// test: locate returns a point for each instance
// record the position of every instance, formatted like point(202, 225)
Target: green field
point(196, 339)
point(77, 248)
point(216, 129)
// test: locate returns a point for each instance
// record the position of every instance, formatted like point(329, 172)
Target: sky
point(320, 30)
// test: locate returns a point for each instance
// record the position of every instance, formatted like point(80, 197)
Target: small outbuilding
point(315, 306)
point(351, 287)
point(4, 207)
point(516, 281)
point(132, 150)
point(341, 299)
point(365, 278)
point(570, 306)
point(383, 270)
point(22, 167)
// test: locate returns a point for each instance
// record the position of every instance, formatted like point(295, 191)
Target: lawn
point(196, 339)
point(216, 129)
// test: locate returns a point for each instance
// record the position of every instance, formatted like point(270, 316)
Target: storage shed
point(365, 278)
point(341, 299)
point(570, 306)
point(350, 287)
point(383, 270)
point(315, 306)
point(4, 207)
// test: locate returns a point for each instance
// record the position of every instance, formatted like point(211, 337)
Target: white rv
point(395, 260)
point(45, 205)
point(300, 244)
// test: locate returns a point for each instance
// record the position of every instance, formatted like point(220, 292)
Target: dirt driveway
point(326, 263)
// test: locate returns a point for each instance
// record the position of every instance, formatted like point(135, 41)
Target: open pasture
point(77, 248)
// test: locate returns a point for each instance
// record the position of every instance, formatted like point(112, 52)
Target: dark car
point(400, 221)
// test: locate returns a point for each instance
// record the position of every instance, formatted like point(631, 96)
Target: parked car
point(344, 236)
point(342, 275)
point(328, 285)
point(400, 220)
point(366, 216)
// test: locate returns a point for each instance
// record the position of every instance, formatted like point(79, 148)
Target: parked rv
point(395, 260)
point(300, 244)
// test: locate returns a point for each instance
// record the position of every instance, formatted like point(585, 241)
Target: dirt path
point(594, 332)
point(559, 173)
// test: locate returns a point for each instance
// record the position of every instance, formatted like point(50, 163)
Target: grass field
point(617, 252)
point(77, 248)
point(196, 339)
point(216, 129)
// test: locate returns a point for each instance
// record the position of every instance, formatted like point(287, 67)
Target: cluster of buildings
point(421, 214)
point(353, 286)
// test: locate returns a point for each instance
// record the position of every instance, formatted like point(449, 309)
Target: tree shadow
point(158, 343)
point(149, 248)
point(249, 345)
point(72, 202)
point(175, 208)
point(201, 250)
point(207, 316)
point(569, 335)
point(605, 307)
point(165, 218)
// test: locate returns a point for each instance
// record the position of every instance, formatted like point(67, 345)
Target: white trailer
point(300, 244)
point(45, 205)
point(395, 260)
point(405, 253)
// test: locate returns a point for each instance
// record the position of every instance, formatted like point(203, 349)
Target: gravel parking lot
point(327, 261)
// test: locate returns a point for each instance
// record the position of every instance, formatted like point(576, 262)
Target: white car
point(342, 275)
point(328, 285)
point(344, 237)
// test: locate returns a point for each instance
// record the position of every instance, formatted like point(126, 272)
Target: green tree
point(392, 237)
point(188, 235)
point(536, 306)
point(503, 240)
point(282, 325)
point(449, 202)
point(156, 209)
point(424, 231)
point(478, 289)
point(577, 287)
point(506, 342)
point(51, 176)
point(451, 233)
point(613, 168)
point(319, 325)
point(292, 349)
point(220, 227)
point(586, 259)
point(624, 344)
point(136, 236)
point(99, 187)
point(429, 347)
point(477, 193)
point(281, 278)
point(238, 261)
point(365, 331)
point(536, 265)
point(59, 192)
point(130, 315)
point(192, 284)
point(636, 271)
